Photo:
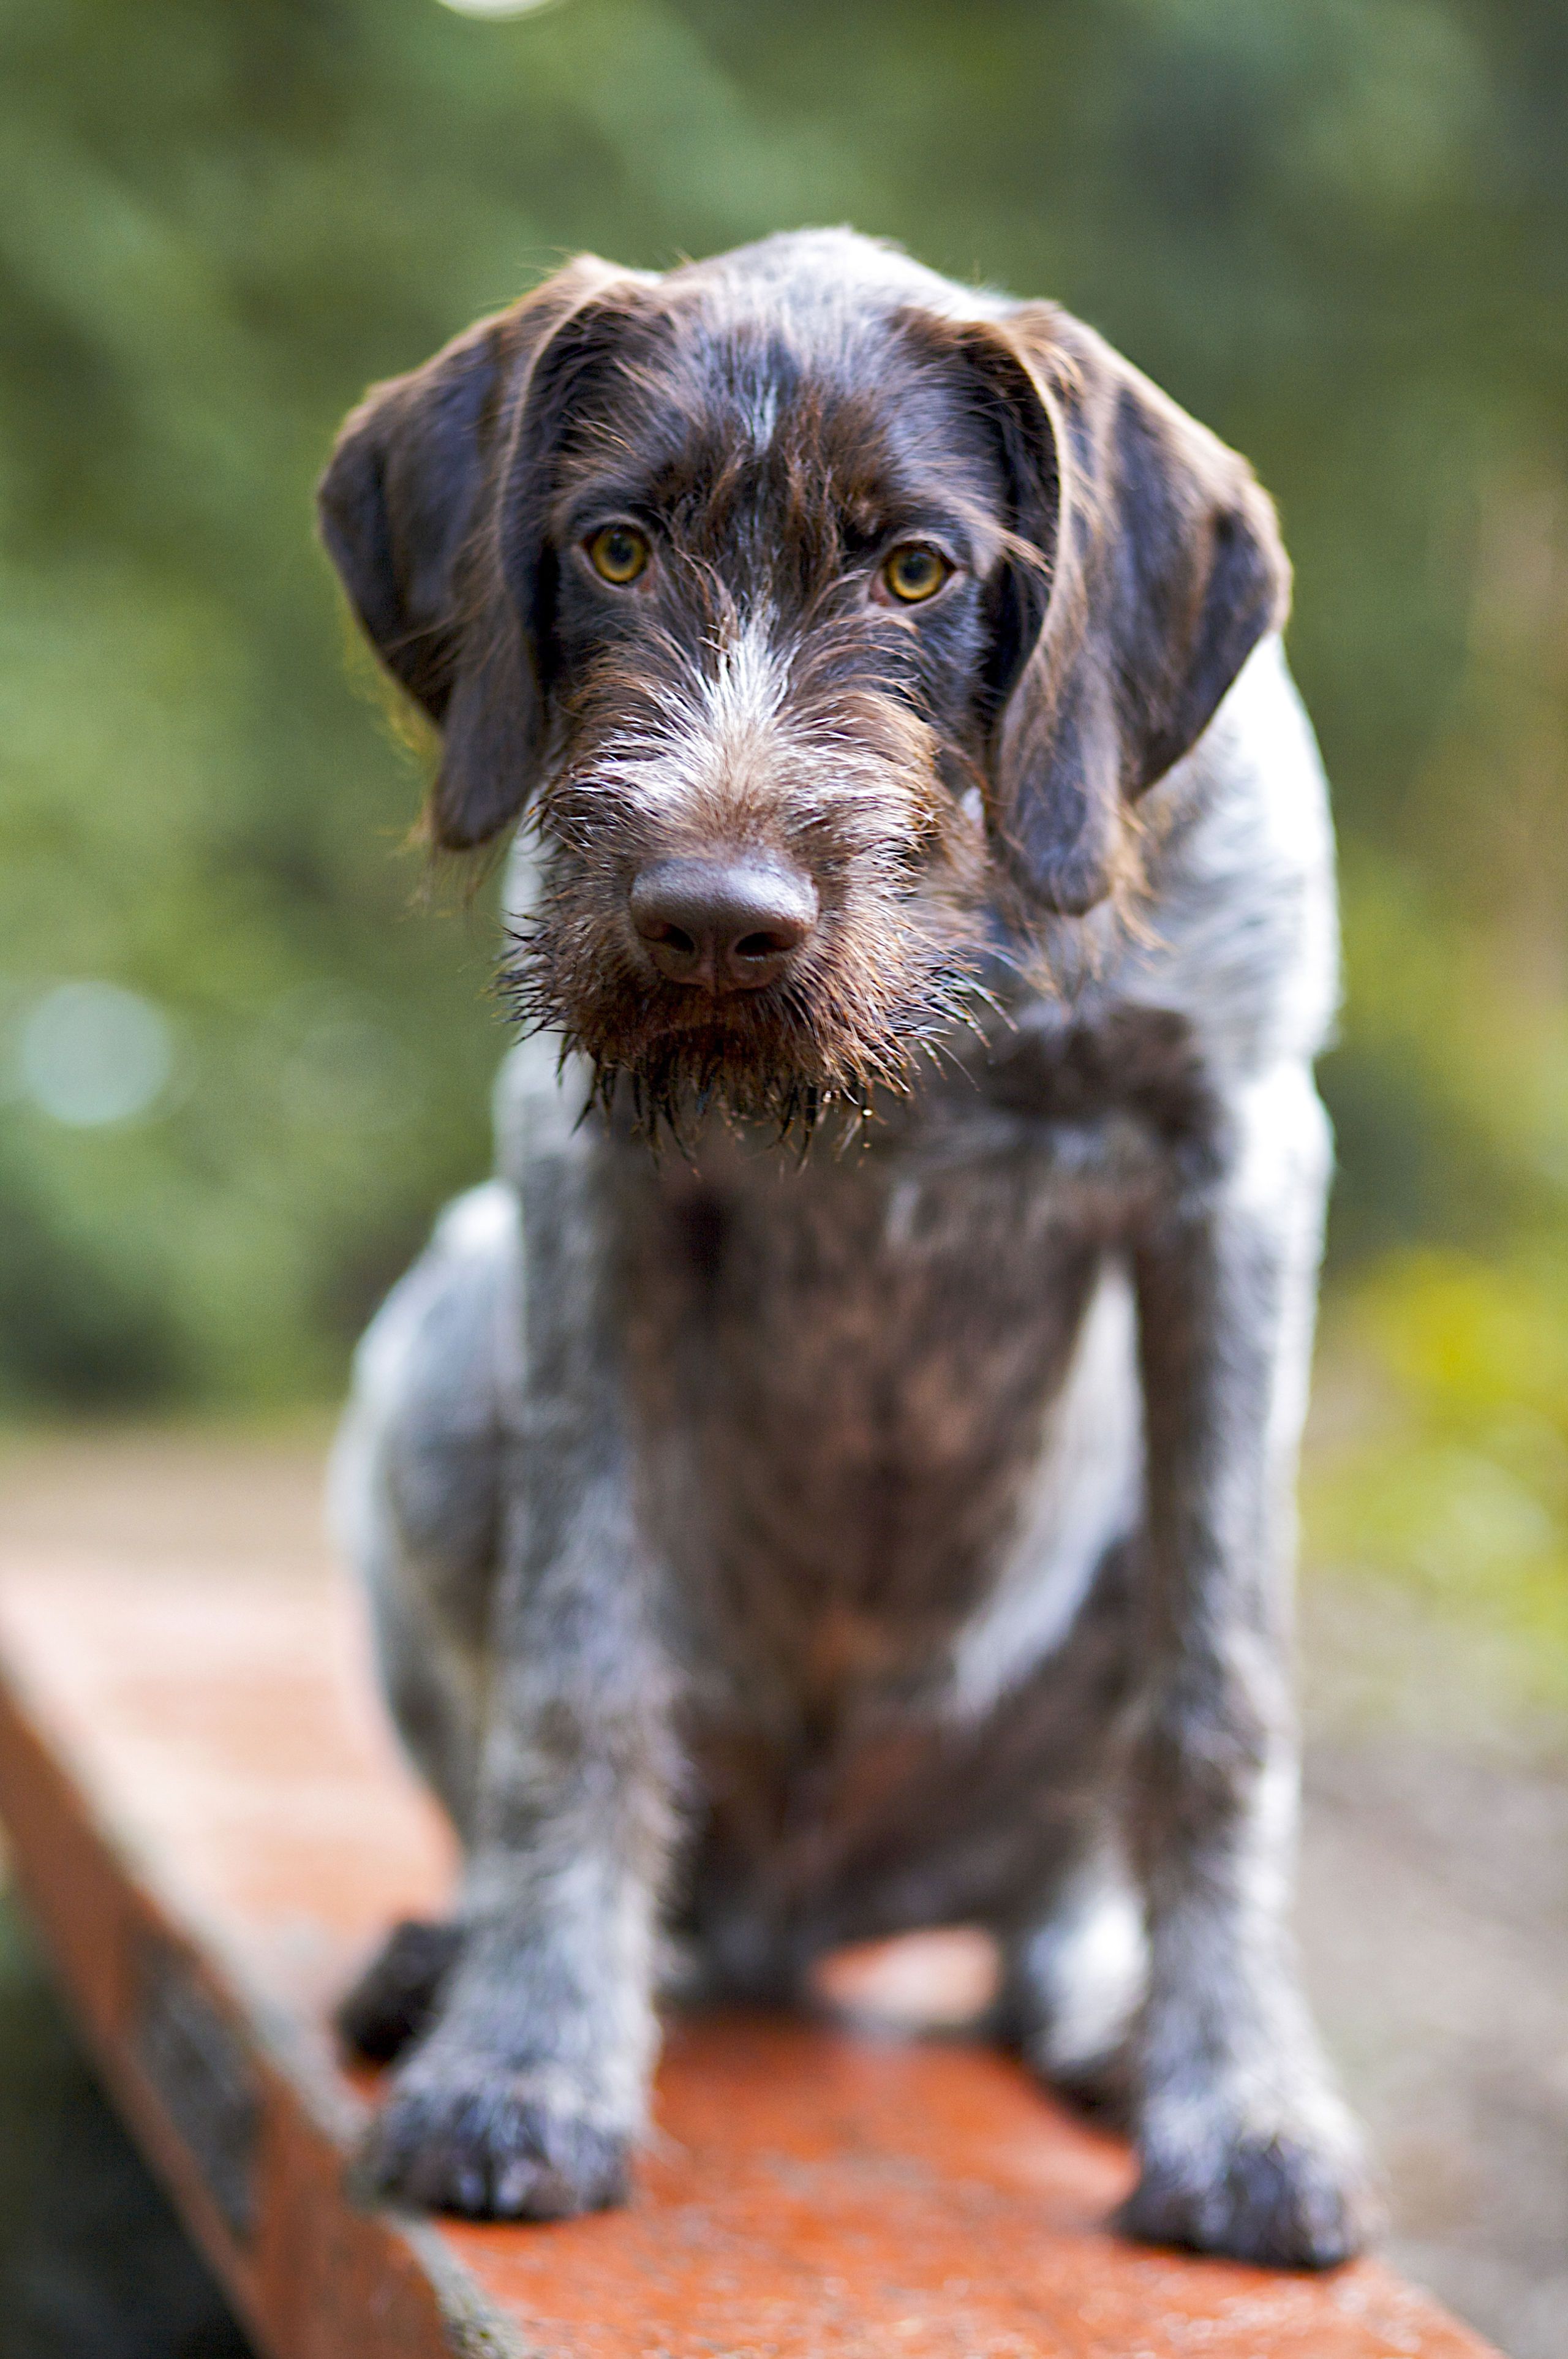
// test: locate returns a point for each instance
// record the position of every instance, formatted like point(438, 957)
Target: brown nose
point(722, 925)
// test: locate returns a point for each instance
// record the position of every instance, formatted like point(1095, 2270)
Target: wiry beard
point(818, 1046)
point(767, 745)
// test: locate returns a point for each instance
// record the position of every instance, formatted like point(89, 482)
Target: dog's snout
point(722, 925)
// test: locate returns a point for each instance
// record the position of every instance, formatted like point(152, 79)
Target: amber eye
point(915, 573)
point(618, 553)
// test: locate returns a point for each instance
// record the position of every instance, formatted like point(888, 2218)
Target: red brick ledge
point(211, 1828)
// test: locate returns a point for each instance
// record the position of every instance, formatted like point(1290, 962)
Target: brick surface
point(212, 1830)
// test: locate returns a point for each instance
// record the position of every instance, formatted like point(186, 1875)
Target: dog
point(838, 1478)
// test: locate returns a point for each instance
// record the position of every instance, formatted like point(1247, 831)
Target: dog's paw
point(495, 2144)
point(1286, 2199)
point(395, 1998)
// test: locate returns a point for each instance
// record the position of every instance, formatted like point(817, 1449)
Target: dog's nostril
point(672, 937)
point(721, 925)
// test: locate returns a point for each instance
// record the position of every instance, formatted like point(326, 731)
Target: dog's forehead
point(796, 362)
point(834, 274)
point(813, 333)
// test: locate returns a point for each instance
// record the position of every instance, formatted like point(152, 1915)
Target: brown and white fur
point(772, 1547)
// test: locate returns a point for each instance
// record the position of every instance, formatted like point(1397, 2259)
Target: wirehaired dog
point(772, 1550)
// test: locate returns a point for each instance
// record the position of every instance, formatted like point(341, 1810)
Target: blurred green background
point(243, 1055)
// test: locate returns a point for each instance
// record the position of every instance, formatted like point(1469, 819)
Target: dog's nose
point(722, 925)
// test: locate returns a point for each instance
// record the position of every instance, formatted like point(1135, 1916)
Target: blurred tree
point(1336, 229)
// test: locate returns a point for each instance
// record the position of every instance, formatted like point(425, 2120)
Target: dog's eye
point(915, 573)
point(618, 553)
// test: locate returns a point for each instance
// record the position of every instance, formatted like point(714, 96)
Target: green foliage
point(1336, 229)
point(1454, 1470)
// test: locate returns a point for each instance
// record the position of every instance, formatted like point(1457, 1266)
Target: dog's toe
point(484, 2147)
point(1278, 2200)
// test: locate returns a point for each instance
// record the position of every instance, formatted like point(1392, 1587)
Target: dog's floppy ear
point(407, 514)
point(1158, 568)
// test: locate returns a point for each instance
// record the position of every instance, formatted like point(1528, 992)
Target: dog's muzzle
point(722, 926)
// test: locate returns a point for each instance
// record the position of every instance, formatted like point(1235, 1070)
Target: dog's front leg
point(1245, 2147)
point(525, 2095)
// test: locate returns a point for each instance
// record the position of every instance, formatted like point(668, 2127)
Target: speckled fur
point(772, 1550)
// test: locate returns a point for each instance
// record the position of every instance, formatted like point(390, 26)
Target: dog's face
point(758, 617)
point(823, 613)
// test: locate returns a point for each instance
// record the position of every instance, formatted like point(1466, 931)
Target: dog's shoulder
point(1239, 931)
point(1153, 1017)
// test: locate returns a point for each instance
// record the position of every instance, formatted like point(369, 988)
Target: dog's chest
point(845, 1370)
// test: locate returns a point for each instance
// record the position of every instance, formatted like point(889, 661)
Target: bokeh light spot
point(498, 7)
point(92, 1054)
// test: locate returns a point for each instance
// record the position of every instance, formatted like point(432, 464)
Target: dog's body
point(781, 1551)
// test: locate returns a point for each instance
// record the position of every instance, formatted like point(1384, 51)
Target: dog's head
point(817, 608)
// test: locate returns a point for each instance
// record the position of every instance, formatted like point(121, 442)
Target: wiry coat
point(771, 1549)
